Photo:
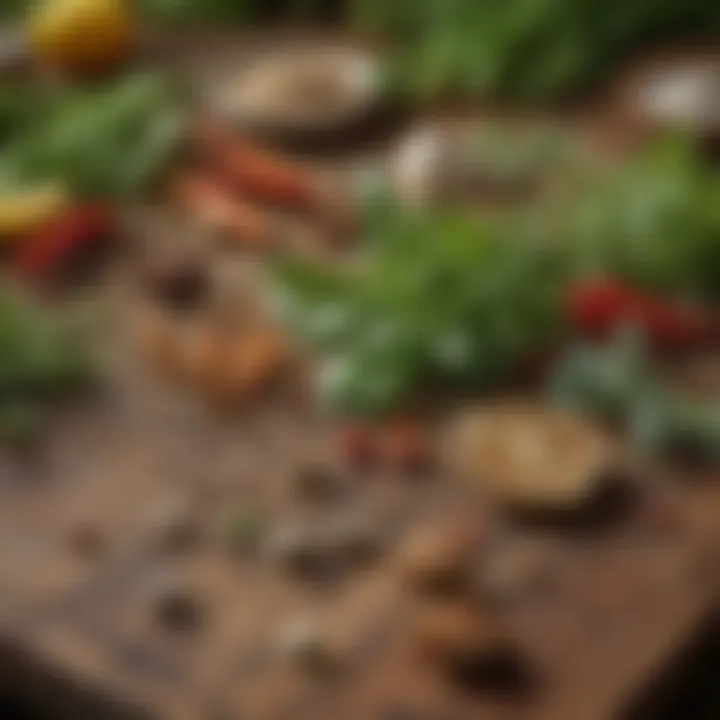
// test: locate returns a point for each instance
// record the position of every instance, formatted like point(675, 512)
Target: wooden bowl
point(297, 93)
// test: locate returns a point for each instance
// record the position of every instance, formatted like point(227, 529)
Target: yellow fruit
point(81, 36)
point(22, 212)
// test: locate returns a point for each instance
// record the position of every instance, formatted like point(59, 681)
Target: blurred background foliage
point(526, 48)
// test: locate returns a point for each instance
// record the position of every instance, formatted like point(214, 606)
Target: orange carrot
point(250, 169)
point(202, 195)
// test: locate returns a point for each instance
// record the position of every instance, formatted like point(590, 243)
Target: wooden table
point(80, 637)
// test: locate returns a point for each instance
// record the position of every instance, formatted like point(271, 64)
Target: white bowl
point(684, 93)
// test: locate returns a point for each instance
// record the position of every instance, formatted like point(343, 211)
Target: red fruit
point(64, 240)
point(601, 307)
point(597, 307)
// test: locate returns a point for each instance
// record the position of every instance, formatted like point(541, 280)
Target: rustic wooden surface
point(79, 636)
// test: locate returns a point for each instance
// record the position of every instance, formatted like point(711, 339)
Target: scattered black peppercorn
point(181, 287)
point(316, 482)
point(178, 608)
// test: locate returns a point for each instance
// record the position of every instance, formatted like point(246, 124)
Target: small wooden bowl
point(301, 94)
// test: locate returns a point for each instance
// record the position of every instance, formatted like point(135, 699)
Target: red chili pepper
point(599, 308)
point(64, 239)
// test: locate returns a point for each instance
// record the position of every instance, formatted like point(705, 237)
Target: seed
point(317, 482)
point(180, 287)
point(177, 607)
point(303, 550)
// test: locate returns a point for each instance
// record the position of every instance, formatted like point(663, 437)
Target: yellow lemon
point(24, 211)
point(81, 36)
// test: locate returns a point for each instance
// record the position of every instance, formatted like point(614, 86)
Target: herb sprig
point(441, 299)
point(449, 299)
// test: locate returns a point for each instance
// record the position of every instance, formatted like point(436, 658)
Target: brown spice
point(459, 635)
point(440, 559)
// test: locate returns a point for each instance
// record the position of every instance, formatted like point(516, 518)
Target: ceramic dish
point(682, 93)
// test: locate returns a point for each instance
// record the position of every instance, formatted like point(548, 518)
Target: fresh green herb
point(603, 380)
point(102, 141)
point(19, 106)
point(672, 422)
point(654, 222)
point(617, 382)
point(40, 364)
point(37, 358)
point(20, 424)
point(13, 8)
point(528, 48)
point(442, 299)
point(522, 48)
point(237, 11)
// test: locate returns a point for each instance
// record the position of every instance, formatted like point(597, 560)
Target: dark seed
point(304, 643)
point(183, 536)
point(178, 608)
point(357, 538)
point(316, 482)
point(181, 287)
point(303, 551)
point(470, 647)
